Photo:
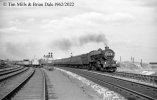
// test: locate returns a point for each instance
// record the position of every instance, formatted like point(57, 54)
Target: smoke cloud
point(67, 44)
point(63, 44)
point(97, 38)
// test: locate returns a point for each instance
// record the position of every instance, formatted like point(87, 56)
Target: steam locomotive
point(102, 60)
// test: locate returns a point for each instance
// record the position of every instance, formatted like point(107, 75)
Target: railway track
point(141, 78)
point(3, 67)
point(4, 72)
point(11, 84)
point(31, 87)
point(9, 68)
point(11, 73)
point(130, 90)
point(34, 89)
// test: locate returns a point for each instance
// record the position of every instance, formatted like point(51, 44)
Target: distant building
point(153, 63)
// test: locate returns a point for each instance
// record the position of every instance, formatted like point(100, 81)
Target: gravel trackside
point(65, 87)
point(69, 86)
point(102, 92)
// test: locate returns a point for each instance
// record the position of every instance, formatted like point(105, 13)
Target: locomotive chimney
point(106, 47)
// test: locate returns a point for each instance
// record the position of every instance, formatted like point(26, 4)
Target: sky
point(128, 27)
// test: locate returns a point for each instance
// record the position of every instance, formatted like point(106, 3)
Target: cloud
point(67, 44)
point(88, 19)
point(15, 49)
point(14, 22)
point(21, 49)
point(13, 29)
point(119, 20)
point(149, 3)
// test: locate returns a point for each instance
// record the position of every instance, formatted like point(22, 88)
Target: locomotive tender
point(102, 60)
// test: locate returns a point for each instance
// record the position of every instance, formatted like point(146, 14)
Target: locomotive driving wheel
point(100, 66)
point(93, 66)
point(89, 66)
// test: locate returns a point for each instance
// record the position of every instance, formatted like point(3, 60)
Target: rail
point(7, 93)
point(4, 77)
point(140, 77)
point(44, 85)
point(127, 88)
point(9, 68)
point(10, 71)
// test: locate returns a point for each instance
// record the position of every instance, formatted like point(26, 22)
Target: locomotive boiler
point(102, 60)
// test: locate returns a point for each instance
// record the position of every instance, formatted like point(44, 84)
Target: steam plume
point(97, 38)
point(63, 44)
point(66, 44)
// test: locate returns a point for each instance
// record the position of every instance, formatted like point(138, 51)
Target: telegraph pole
point(120, 59)
point(141, 62)
point(71, 54)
